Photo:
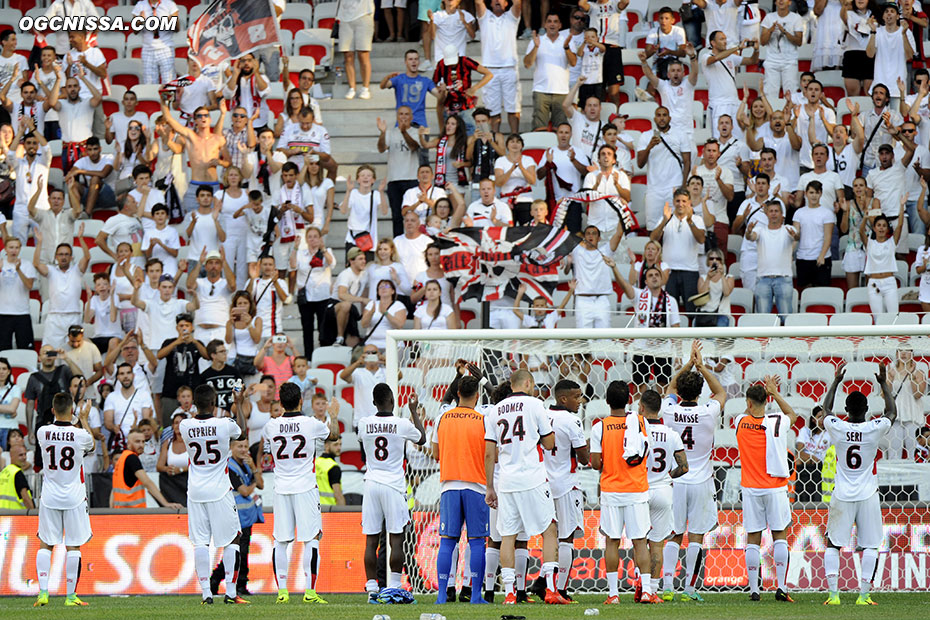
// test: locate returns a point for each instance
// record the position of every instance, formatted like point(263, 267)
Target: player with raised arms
point(211, 507)
point(384, 503)
point(855, 496)
point(694, 507)
point(620, 450)
point(516, 427)
point(561, 463)
point(291, 439)
point(63, 513)
point(667, 461)
point(763, 453)
point(459, 447)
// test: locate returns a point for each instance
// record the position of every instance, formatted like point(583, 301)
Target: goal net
point(804, 359)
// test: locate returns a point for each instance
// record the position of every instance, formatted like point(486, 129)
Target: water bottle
point(339, 72)
point(380, 617)
point(432, 617)
point(592, 611)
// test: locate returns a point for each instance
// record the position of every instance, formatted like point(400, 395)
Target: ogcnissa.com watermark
point(105, 23)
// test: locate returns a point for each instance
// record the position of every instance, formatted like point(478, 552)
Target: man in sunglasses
point(240, 137)
point(214, 293)
point(118, 124)
point(204, 152)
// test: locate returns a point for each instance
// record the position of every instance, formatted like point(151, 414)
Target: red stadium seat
point(348, 395)
point(326, 22)
point(293, 25)
point(639, 124)
point(353, 458)
point(110, 53)
point(317, 52)
point(633, 72)
point(275, 105)
point(336, 368)
point(148, 107)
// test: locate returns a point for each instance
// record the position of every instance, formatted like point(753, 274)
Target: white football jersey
point(207, 442)
point(516, 425)
point(663, 444)
point(383, 438)
point(291, 440)
point(695, 426)
point(560, 461)
point(856, 448)
point(63, 447)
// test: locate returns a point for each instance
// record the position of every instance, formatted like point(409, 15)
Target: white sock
point(780, 552)
point(280, 564)
point(566, 551)
point(492, 559)
point(646, 580)
point(454, 567)
point(394, 579)
point(312, 567)
point(753, 559)
point(202, 568)
point(612, 584)
point(508, 576)
point(831, 566)
point(231, 564)
point(692, 553)
point(869, 562)
point(43, 567)
point(466, 563)
point(655, 583)
point(521, 557)
point(72, 570)
point(371, 586)
point(669, 564)
point(548, 571)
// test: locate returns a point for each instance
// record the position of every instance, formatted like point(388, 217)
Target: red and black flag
point(229, 29)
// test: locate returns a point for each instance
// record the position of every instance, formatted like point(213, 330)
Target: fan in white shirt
point(668, 160)
point(855, 497)
point(677, 93)
point(488, 211)
point(720, 65)
point(384, 506)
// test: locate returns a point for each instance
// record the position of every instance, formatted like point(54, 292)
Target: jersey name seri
point(856, 451)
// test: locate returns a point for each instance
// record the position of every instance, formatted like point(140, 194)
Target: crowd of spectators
point(215, 230)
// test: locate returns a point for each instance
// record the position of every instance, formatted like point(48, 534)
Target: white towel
point(777, 428)
point(634, 439)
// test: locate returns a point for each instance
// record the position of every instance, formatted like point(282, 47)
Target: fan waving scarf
point(489, 264)
point(568, 211)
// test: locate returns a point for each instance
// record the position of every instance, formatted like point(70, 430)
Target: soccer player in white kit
point(763, 454)
point(63, 513)
point(291, 439)
point(571, 448)
point(855, 496)
point(384, 502)
point(516, 427)
point(694, 505)
point(667, 461)
point(211, 508)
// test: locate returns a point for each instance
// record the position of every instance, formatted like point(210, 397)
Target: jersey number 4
point(213, 453)
point(298, 453)
point(517, 430)
point(687, 437)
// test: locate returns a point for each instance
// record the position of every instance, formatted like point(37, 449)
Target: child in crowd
point(185, 402)
point(149, 456)
point(161, 241)
point(591, 57)
point(307, 383)
point(263, 229)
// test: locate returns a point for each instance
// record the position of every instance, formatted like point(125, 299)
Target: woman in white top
point(854, 212)
point(515, 173)
point(322, 193)
point(361, 204)
point(828, 40)
point(858, 68)
point(382, 314)
point(163, 148)
point(451, 153)
point(880, 265)
point(123, 274)
point(652, 257)
point(811, 446)
point(231, 199)
point(173, 463)
point(434, 272)
point(908, 384)
point(16, 279)
point(716, 312)
point(387, 266)
point(433, 313)
point(10, 397)
point(131, 155)
point(314, 266)
point(292, 107)
point(243, 331)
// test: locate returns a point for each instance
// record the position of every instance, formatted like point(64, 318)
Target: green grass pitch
point(354, 607)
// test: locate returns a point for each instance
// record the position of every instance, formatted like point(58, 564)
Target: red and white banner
point(229, 29)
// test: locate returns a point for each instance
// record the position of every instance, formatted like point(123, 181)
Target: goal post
point(803, 358)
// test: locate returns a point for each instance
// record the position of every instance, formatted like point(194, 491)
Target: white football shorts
point(70, 526)
point(300, 512)
point(660, 512)
point(218, 519)
point(530, 511)
point(635, 517)
point(382, 505)
point(694, 507)
point(866, 514)
point(767, 510)
point(569, 514)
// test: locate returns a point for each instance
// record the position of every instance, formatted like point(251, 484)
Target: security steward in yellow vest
point(130, 482)
point(14, 488)
point(329, 474)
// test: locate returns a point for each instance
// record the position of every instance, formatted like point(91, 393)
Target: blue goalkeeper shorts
point(463, 507)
